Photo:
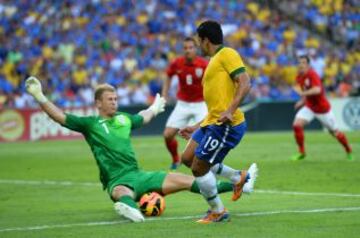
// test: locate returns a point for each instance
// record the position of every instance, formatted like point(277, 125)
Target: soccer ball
point(152, 204)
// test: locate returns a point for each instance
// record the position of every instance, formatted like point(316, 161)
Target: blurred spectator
point(140, 94)
point(123, 92)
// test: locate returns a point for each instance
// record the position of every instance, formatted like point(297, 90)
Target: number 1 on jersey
point(105, 127)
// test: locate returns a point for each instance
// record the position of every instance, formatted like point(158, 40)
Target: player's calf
point(186, 161)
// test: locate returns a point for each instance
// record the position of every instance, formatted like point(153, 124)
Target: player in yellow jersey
point(225, 84)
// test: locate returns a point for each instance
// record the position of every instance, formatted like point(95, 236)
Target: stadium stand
point(74, 45)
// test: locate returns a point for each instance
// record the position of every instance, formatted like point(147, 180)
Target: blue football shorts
point(215, 141)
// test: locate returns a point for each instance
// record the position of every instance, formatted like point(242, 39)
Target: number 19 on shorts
point(211, 144)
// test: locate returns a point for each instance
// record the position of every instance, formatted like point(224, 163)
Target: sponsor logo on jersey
point(198, 72)
point(121, 119)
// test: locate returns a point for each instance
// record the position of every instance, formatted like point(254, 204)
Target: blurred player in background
point(225, 83)
point(190, 105)
point(108, 135)
point(313, 104)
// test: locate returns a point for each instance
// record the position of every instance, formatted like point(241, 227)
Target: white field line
point(94, 184)
point(279, 192)
point(48, 182)
point(249, 214)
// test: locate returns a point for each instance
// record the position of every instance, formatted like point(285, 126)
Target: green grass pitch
point(51, 189)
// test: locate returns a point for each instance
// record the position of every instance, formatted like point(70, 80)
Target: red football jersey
point(317, 103)
point(190, 75)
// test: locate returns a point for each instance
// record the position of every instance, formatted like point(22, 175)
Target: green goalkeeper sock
point(128, 201)
point(222, 187)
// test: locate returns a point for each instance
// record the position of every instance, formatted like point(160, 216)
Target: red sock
point(299, 137)
point(172, 146)
point(342, 139)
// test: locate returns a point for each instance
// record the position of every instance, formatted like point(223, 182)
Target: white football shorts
point(186, 113)
point(326, 119)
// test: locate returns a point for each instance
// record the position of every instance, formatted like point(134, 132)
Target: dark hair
point(305, 57)
point(190, 39)
point(212, 31)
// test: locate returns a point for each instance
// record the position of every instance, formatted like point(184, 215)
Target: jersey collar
point(218, 49)
point(187, 62)
point(102, 119)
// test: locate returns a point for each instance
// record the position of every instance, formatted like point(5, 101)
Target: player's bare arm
point(157, 107)
point(53, 112)
point(186, 132)
point(299, 103)
point(316, 90)
point(165, 89)
point(243, 87)
point(297, 88)
point(33, 87)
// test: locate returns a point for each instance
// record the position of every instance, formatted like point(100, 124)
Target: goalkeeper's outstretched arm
point(33, 87)
point(157, 107)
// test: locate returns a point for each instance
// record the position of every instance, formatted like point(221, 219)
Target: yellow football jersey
point(218, 87)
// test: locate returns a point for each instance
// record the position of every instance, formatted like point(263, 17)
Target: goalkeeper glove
point(33, 87)
point(158, 105)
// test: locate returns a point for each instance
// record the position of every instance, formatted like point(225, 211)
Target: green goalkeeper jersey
point(109, 140)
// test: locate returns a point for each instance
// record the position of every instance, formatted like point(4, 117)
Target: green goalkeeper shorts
point(140, 182)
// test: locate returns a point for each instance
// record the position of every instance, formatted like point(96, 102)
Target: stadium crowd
point(339, 20)
point(74, 45)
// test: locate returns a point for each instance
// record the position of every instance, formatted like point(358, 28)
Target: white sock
point(207, 185)
point(226, 172)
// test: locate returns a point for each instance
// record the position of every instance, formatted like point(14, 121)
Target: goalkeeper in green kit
point(108, 135)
